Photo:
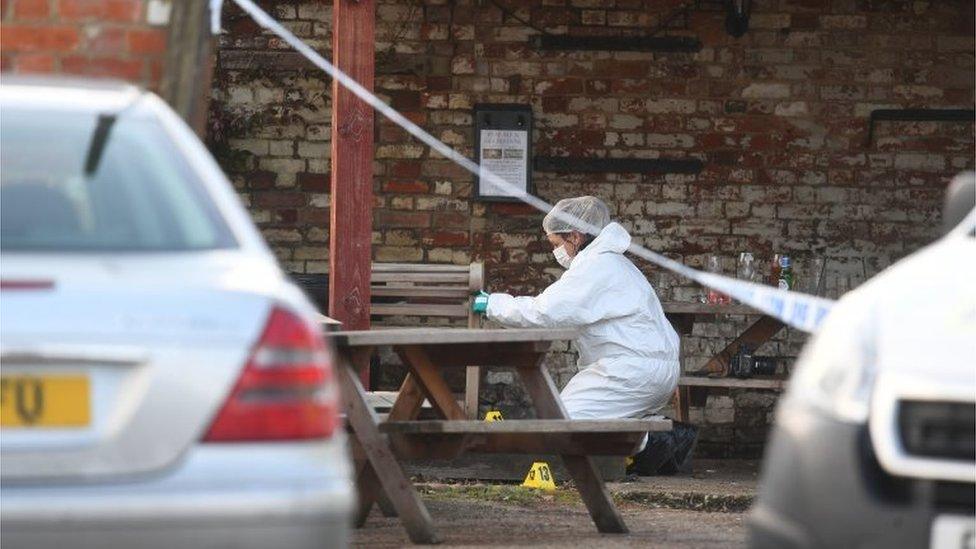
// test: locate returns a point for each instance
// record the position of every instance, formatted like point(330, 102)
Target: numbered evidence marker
point(539, 477)
point(493, 415)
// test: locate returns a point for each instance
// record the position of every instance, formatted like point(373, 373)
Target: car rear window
point(142, 197)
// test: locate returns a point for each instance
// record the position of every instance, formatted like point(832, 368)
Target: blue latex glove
point(480, 302)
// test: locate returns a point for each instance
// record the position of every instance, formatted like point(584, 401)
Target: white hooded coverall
point(628, 351)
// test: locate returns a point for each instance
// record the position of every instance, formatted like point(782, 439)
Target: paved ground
point(704, 510)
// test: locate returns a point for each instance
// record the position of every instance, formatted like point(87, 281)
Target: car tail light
point(286, 391)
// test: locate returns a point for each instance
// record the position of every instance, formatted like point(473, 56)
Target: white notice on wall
point(504, 153)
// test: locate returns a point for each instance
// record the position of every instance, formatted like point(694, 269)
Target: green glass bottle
point(785, 273)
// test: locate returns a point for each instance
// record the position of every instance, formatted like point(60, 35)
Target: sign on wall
point(503, 145)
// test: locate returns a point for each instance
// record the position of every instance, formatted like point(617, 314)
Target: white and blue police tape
point(801, 311)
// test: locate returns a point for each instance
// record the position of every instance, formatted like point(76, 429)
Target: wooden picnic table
point(428, 353)
point(693, 389)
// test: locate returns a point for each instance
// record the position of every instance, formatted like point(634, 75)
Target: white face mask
point(562, 257)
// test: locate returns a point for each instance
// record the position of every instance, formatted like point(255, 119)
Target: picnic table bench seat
point(446, 439)
point(771, 383)
point(693, 390)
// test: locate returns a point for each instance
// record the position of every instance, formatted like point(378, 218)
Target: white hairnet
point(588, 209)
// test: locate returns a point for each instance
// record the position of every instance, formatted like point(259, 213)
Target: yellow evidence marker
point(493, 415)
point(540, 477)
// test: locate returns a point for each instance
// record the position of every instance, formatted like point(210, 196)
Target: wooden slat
point(455, 292)
point(708, 308)
point(537, 426)
point(419, 268)
point(426, 336)
point(414, 268)
point(733, 383)
point(386, 399)
point(447, 445)
point(473, 355)
point(508, 467)
point(457, 278)
point(419, 309)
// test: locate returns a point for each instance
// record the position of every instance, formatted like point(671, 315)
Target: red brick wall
point(779, 117)
point(102, 38)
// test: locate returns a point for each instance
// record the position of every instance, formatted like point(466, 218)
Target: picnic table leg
point(368, 488)
point(681, 397)
point(428, 375)
point(591, 488)
point(385, 505)
point(370, 491)
point(389, 474)
point(595, 495)
point(409, 400)
point(407, 406)
point(366, 494)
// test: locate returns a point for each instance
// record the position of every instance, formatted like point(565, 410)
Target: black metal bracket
point(680, 44)
point(561, 164)
point(918, 115)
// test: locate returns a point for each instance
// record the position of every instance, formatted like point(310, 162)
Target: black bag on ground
point(667, 452)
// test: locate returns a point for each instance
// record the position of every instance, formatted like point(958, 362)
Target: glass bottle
point(785, 281)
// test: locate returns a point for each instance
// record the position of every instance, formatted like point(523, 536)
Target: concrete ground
point(702, 510)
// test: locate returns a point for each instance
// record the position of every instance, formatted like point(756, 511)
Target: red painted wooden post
point(350, 237)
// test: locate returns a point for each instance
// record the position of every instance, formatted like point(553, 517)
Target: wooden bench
point(403, 290)
point(400, 292)
point(449, 439)
point(694, 390)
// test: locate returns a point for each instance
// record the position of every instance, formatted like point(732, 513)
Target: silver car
point(163, 383)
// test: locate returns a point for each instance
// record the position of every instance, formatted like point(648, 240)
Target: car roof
point(67, 93)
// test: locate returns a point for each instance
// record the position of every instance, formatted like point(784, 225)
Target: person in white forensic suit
point(628, 351)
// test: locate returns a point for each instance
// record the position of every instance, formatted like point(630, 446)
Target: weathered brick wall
point(779, 117)
point(104, 38)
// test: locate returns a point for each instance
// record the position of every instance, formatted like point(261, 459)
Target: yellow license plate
point(28, 401)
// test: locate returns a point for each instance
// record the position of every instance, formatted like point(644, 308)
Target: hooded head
point(567, 240)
